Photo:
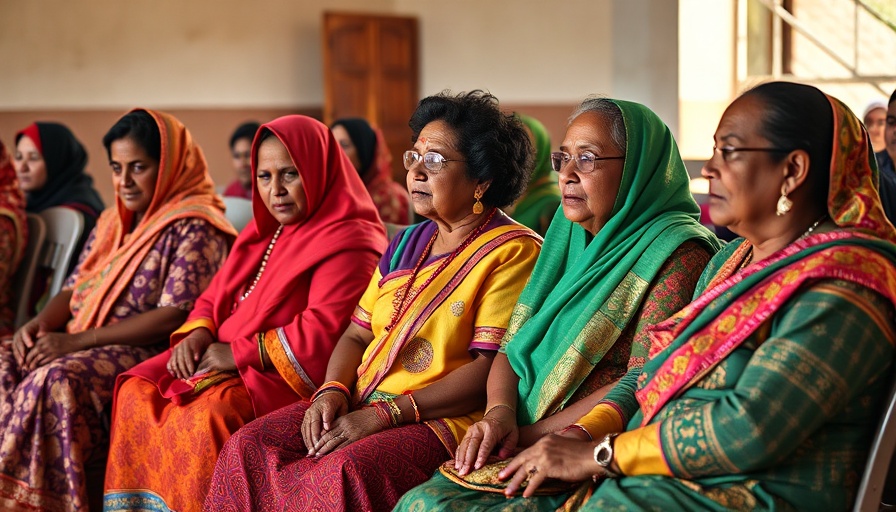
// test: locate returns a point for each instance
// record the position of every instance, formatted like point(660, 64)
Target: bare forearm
point(346, 358)
point(57, 312)
point(149, 328)
point(562, 419)
point(502, 383)
point(456, 394)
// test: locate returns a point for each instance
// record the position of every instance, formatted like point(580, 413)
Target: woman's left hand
point(217, 357)
point(346, 430)
point(49, 347)
point(553, 456)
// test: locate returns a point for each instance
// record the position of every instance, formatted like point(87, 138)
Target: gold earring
point(784, 204)
point(477, 206)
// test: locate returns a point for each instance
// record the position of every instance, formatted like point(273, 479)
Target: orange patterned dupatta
point(735, 304)
point(184, 189)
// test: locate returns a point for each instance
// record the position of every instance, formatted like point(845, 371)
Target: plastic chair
point(24, 276)
point(64, 228)
point(238, 211)
point(879, 458)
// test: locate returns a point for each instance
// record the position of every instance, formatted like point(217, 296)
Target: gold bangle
point(492, 408)
point(260, 338)
point(414, 405)
point(396, 412)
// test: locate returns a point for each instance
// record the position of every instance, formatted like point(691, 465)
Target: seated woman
point(260, 336)
point(763, 393)
point(13, 239)
point(407, 377)
point(50, 163)
point(625, 252)
point(240, 153)
point(143, 267)
point(367, 150)
point(539, 202)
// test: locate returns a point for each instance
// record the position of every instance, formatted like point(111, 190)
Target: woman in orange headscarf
point(13, 237)
point(261, 335)
point(143, 267)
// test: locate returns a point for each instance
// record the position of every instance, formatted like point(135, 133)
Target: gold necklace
point(264, 263)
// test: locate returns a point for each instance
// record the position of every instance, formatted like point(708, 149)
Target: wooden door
point(371, 70)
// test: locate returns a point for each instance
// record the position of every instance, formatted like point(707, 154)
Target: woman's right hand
point(321, 415)
point(498, 427)
point(185, 355)
point(25, 338)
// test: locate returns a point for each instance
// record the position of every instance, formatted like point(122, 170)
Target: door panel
point(371, 70)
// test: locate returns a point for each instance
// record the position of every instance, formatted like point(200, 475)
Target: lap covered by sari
point(465, 308)
point(297, 308)
point(55, 426)
point(580, 324)
point(764, 393)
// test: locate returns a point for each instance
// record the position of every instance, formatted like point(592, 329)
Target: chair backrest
point(238, 212)
point(872, 486)
point(24, 276)
point(64, 228)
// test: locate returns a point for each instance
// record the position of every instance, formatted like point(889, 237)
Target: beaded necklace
point(408, 287)
point(264, 262)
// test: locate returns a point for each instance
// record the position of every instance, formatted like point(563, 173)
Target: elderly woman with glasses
point(407, 378)
point(624, 252)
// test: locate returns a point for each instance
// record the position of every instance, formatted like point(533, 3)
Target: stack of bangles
point(390, 414)
point(333, 386)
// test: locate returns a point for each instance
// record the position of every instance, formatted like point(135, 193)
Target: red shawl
point(314, 277)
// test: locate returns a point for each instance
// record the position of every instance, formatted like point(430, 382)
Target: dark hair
point(609, 111)
point(799, 116)
point(244, 131)
point(892, 98)
point(140, 127)
point(495, 145)
point(363, 137)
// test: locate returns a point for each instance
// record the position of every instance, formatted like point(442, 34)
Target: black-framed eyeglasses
point(584, 162)
point(727, 151)
point(431, 160)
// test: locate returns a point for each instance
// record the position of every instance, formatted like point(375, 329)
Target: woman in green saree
point(538, 204)
point(763, 393)
point(624, 252)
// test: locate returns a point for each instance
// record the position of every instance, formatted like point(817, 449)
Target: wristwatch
point(603, 454)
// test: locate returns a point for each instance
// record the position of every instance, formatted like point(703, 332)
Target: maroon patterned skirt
point(264, 466)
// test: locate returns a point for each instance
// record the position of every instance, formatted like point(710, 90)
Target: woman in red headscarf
point(261, 335)
point(144, 265)
point(13, 237)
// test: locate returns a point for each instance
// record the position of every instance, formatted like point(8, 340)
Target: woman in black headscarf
point(50, 164)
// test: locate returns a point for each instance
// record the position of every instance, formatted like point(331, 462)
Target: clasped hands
point(199, 353)
point(34, 346)
point(328, 425)
point(565, 456)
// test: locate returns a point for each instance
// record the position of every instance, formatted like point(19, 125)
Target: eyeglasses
point(431, 160)
point(727, 151)
point(584, 162)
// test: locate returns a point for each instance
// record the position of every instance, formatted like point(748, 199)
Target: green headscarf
point(582, 294)
point(542, 196)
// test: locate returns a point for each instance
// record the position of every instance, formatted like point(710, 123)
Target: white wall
point(229, 53)
point(164, 53)
point(523, 51)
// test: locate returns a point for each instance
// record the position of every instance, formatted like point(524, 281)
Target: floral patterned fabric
point(54, 420)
